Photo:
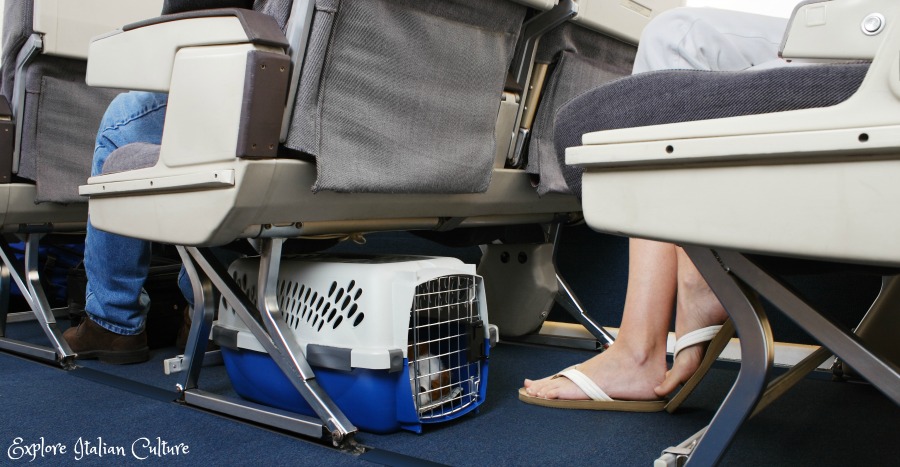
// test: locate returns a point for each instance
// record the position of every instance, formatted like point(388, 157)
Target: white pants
point(710, 39)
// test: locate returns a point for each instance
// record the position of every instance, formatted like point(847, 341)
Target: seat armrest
point(837, 29)
point(141, 56)
point(866, 122)
point(67, 27)
point(624, 20)
point(542, 5)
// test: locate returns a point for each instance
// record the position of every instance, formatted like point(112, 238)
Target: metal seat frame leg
point(876, 318)
point(566, 298)
point(878, 328)
point(29, 282)
point(757, 350)
point(5, 288)
point(736, 280)
point(203, 313)
point(273, 335)
point(882, 373)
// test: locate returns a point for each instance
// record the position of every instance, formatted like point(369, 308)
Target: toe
point(682, 369)
point(667, 386)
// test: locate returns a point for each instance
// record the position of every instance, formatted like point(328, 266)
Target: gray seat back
point(17, 20)
point(59, 115)
point(580, 60)
point(402, 96)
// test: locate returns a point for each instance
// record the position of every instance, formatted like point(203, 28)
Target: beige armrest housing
point(143, 58)
point(837, 29)
point(538, 4)
point(67, 26)
point(199, 61)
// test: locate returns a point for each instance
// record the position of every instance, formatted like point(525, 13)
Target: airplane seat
point(796, 162)
point(49, 123)
point(354, 117)
point(453, 116)
point(436, 116)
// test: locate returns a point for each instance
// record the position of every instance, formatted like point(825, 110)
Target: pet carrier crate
point(396, 342)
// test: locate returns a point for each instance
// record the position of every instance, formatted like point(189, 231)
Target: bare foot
point(682, 369)
point(620, 372)
point(697, 308)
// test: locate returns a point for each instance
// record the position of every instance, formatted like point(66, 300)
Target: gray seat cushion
point(131, 157)
point(672, 96)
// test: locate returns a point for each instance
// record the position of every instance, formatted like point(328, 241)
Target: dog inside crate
point(445, 348)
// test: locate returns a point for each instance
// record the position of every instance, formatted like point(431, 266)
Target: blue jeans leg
point(117, 266)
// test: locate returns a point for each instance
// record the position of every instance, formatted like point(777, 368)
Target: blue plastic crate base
point(374, 400)
point(396, 342)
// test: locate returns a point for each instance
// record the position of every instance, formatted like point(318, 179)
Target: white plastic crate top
point(360, 303)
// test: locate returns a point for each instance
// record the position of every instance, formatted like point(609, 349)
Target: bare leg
point(633, 366)
point(696, 307)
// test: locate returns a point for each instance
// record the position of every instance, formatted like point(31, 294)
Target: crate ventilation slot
point(302, 305)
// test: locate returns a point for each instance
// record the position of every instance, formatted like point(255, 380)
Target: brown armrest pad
point(261, 29)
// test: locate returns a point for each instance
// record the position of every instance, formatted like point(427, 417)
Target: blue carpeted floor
point(43, 403)
point(818, 423)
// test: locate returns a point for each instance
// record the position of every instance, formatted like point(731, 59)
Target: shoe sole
point(611, 406)
point(121, 357)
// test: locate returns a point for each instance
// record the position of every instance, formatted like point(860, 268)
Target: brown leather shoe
point(89, 341)
point(185, 331)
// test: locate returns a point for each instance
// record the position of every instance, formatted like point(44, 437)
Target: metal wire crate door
point(446, 345)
